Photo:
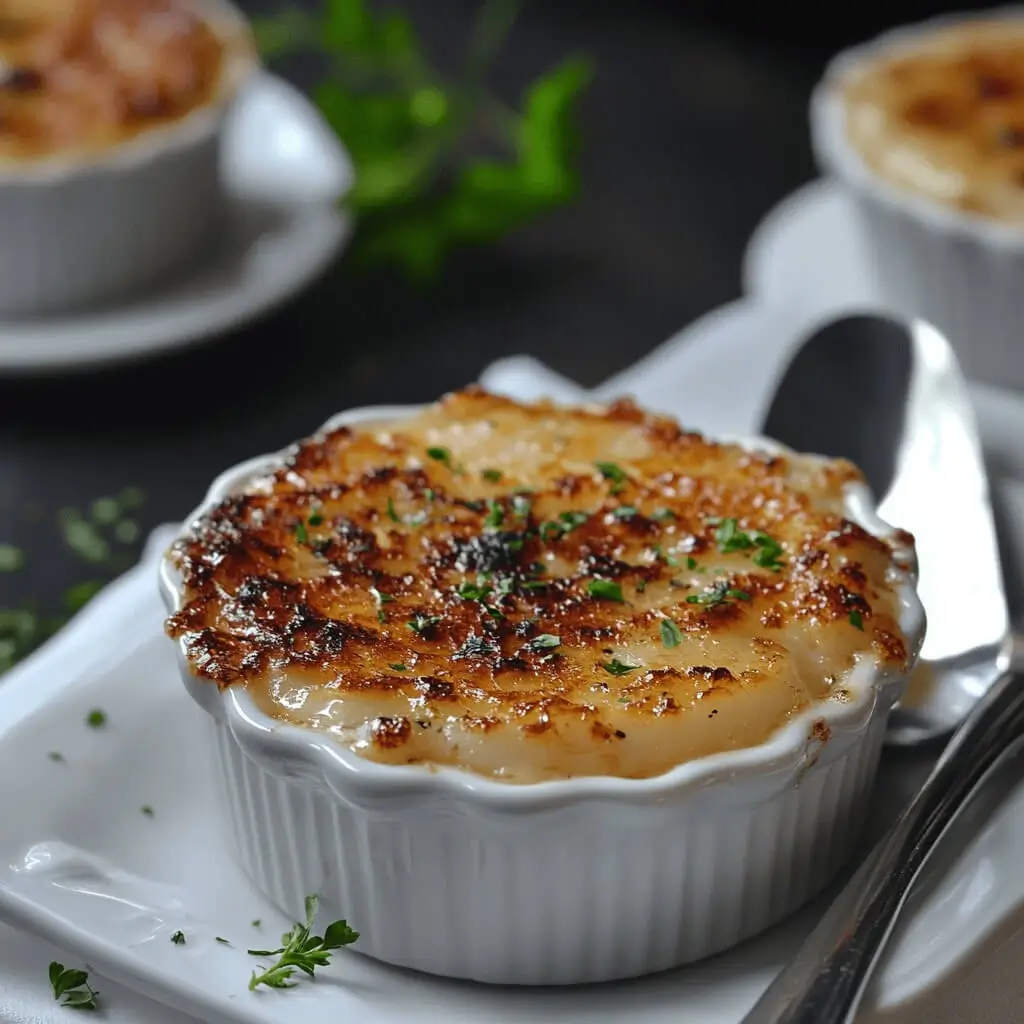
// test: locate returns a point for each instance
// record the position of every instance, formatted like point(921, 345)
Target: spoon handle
point(825, 980)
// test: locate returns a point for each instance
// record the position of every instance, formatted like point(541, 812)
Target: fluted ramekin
point(79, 230)
point(958, 270)
point(560, 882)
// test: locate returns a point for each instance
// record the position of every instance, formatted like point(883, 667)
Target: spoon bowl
point(890, 397)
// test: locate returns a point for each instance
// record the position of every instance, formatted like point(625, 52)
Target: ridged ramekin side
point(959, 271)
point(578, 894)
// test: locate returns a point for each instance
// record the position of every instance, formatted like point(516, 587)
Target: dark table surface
point(694, 127)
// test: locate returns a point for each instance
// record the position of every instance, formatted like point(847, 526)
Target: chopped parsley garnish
point(96, 719)
point(663, 513)
point(178, 938)
point(605, 590)
point(521, 505)
point(148, 811)
point(856, 619)
point(615, 667)
point(671, 635)
point(495, 515)
point(730, 538)
point(73, 986)
point(691, 563)
point(641, 586)
point(316, 517)
point(769, 550)
point(624, 512)
point(301, 533)
point(720, 593)
point(301, 950)
point(492, 476)
point(223, 942)
point(421, 625)
point(615, 473)
point(544, 642)
point(55, 755)
point(392, 514)
point(257, 922)
point(474, 591)
point(398, 666)
point(441, 455)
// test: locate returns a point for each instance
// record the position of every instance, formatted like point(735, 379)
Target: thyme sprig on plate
point(301, 950)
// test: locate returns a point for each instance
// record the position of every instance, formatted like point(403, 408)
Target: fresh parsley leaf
point(398, 666)
point(392, 514)
point(222, 941)
point(856, 619)
point(422, 625)
point(720, 593)
point(614, 473)
point(492, 476)
point(495, 516)
point(96, 719)
point(73, 986)
point(301, 533)
point(671, 635)
point(605, 590)
point(441, 455)
point(544, 642)
point(691, 562)
point(178, 938)
point(730, 537)
point(301, 950)
point(616, 667)
point(473, 591)
point(768, 554)
point(624, 512)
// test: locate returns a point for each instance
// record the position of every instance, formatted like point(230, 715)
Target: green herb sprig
point(440, 162)
point(301, 950)
point(72, 986)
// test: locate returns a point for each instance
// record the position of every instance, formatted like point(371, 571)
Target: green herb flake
point(302, 950)
point(605, 590)
point(442, 455)
point(671, 635)
point(544, 642)
point(661, 514)
point(769, 552)
point(729, 537)
point(856, 619)
point(257, 922)
point(178, 938)
point(392, 514)
point(720, 593)
point(398, 666)
point(422, 625)
point(11, 558)
point(495, 515)
point(56, 755)
point(691, 563)
point(96, 719)
point(222, 941)
point(641, 586)
point(492, 476)
point(315, 518)
point(72, 986)
point(301, 533)
point(615, 474)
point(148, 811)
point(624, 512)
point(617, 667)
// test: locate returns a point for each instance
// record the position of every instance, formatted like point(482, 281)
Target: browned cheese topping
point(534, 592)
point(77, 76)
point(943, 116)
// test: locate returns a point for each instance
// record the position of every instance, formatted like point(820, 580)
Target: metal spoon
point(890, 397)
point(937, 460)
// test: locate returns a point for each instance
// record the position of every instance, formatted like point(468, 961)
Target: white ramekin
point(561, 882)
point(76, 231)
point(961, 271)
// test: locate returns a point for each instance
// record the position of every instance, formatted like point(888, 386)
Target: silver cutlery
point(891, 398)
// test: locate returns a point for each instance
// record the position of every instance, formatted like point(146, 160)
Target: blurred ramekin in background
point(77, 230)
point(935, 257)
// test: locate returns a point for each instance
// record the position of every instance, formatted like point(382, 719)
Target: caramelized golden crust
point(944, 116)
point(535, 592)
point(81, 75)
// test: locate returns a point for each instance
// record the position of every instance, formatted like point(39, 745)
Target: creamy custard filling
point(943, 116)
point(77, 76)
point(532, 593)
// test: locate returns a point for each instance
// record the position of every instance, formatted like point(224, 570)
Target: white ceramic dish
point(284, 172)
point(562, 882)
point(84, 229)
point(958, 270)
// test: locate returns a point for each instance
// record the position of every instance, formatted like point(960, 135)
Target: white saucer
point(285, 171)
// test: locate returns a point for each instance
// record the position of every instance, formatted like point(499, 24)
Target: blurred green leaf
point(417, 141)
